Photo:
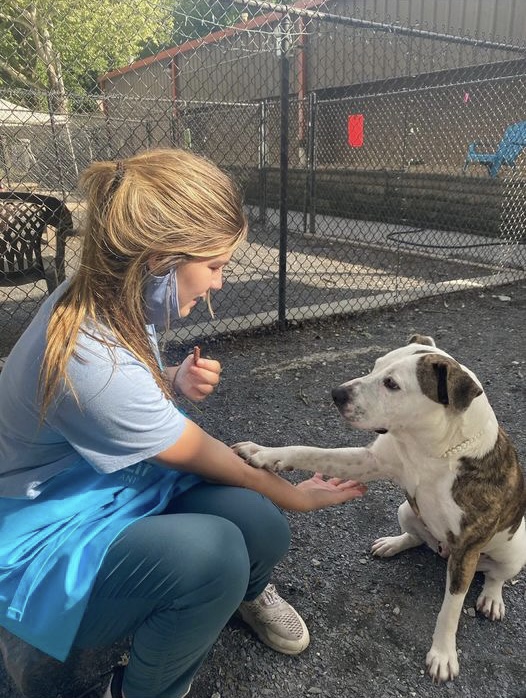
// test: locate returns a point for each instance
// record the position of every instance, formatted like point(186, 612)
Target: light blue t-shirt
point(70, 484)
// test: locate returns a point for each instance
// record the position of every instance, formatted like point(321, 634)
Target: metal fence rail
point(353, 134)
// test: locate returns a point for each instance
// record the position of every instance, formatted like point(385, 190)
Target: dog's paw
point(392, 545)
point(259, 456)
point(248, 451)
point(491, 606)
point(442, 665)
point(386, 547)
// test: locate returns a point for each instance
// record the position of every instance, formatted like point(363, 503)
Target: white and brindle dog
point(440, 441)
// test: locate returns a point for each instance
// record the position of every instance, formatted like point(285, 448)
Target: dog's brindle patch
point(444, 381)
point(491, 492)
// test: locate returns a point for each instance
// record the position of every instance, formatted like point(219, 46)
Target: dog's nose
point(340, 396)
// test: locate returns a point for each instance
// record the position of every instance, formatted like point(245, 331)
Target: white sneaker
point(275, 622)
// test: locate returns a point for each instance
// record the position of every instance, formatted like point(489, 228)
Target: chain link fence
point(381, 156)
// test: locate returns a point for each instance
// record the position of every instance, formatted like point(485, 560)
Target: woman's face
point(196, 278)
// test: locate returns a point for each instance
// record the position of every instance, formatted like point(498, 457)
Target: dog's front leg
point(346, 463)
point(442, 659)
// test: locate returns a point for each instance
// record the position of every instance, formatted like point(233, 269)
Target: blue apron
point(51, 547)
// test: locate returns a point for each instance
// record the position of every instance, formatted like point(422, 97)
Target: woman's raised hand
point(196, 378)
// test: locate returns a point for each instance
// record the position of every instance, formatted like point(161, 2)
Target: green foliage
point(60, 47)
point(105, 34)
point(192, 19)
point(65, 44)
point(195, 18)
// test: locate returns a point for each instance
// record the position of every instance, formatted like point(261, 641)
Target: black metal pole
point(309, 209)
point(149, 131)
point(5, 160)
point(173, 132)
point(284, 168)
point(306, 199)
point(52, 121)
point(403, 164)
point(263, 162)
point(313, 157)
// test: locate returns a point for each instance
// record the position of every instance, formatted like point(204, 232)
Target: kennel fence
point(338, 225)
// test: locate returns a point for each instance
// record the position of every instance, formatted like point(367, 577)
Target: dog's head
point(407, 387)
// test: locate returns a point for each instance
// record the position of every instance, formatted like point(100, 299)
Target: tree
point(191, 19)
point(195, 18)
point(57, 47)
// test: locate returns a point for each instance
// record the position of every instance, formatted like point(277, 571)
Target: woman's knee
point(182, 563)
point(172, 555)
point(263, 525)
point(219, 560)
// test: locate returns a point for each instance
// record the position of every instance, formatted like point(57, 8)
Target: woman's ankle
point(114, 689)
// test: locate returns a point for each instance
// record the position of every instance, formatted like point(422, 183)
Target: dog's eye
point(391, 384)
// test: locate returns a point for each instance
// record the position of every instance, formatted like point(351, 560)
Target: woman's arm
point(198, 452)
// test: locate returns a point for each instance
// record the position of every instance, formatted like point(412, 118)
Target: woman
point(120, 516)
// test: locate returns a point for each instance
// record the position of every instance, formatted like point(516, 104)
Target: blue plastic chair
point(508, 150)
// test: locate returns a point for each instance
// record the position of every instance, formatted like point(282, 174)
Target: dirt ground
point(371, 620)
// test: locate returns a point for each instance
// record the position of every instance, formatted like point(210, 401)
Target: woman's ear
point(153, 264)
point(159, 265)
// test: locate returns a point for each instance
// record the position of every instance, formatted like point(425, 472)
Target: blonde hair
point(164, 205)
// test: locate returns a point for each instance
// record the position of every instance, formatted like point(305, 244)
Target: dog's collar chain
point(462, 445)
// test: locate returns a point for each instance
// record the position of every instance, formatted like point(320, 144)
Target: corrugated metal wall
point(244, 66)
point(342, 55)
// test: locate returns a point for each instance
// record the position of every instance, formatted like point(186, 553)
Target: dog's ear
point(421, 339)
point(443, 380)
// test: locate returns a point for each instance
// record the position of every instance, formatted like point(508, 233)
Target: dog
point(439, 440)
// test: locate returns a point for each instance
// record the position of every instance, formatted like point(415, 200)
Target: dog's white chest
point(436, 507)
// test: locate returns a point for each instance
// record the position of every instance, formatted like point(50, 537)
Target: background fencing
point(347, 124)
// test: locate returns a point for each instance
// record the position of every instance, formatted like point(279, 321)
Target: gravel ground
point(371, 620)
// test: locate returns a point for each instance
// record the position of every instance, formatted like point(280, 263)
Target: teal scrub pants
point(172, 581)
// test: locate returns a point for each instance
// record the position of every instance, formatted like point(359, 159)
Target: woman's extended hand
point(196, 380)
point(318, 492)
point(195, 451)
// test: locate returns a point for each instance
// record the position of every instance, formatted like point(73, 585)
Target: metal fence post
point(310, 189)
point(149, 133)
point(263, 161)
point(56, 145)
point(284, 166)
point(4, 162)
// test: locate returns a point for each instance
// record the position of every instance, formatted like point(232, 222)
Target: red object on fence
point(355, 130)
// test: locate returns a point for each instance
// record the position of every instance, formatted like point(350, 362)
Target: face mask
point(161, 301)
